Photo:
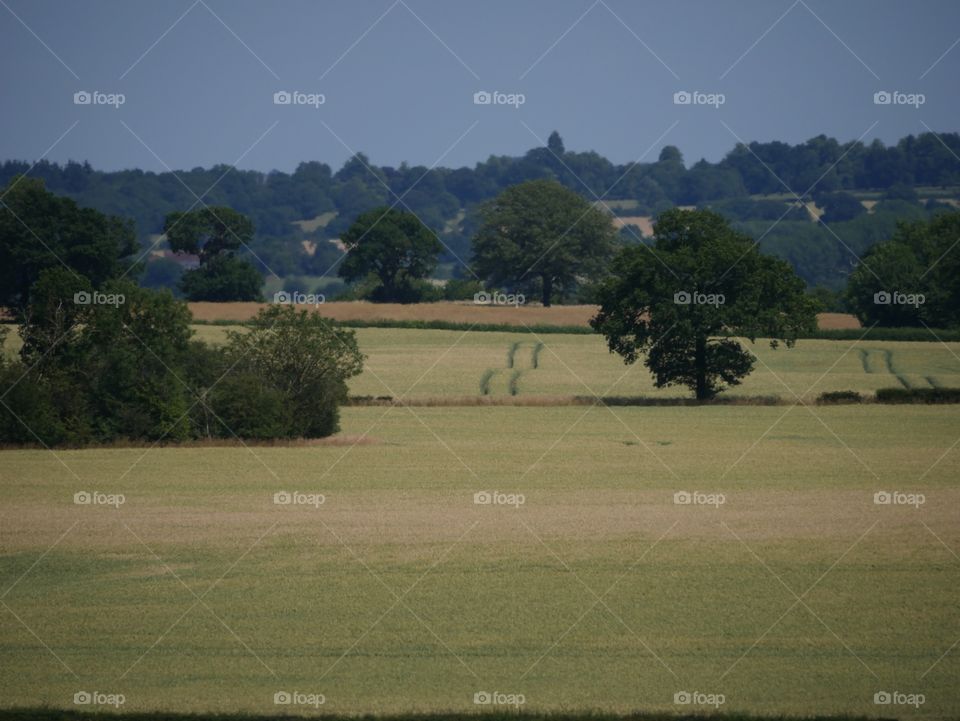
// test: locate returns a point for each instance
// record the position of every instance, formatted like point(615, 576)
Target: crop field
point(451, 366)
point(451, 312)
point(580, 580)
point(438, 363)
point(781, 588)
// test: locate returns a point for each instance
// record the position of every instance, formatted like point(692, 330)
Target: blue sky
point(398, 78)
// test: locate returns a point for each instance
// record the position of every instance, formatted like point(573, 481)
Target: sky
point(177, 84)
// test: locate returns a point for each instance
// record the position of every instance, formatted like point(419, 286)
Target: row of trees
point(103, 359)
point(447, 200)
point(537, 238)
point(129, 370)
point(273, 200)
point(542, 239)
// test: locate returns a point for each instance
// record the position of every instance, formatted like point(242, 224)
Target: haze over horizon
point(399, 78)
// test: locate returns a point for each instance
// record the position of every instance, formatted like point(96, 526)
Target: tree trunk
point(700, 362)
point(547, 290)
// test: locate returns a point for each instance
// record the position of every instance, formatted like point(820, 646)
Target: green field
point(443, 363)
point(798, 594)
point(417, 363)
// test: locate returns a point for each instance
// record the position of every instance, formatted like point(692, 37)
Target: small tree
point(539, 236)
point(700, 279)
point(294, 355)
point(214, 234)
point(394, 246)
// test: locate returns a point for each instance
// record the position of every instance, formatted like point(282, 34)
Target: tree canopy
point(911, 279)
point(541, 237)
point(40, 231)
point(675, 301)
point(395, 247)
point(214, 234)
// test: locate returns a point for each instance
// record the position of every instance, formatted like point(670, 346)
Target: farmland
point(450, 366)
point(785, 588)
point(437, 363)
point(399, 593)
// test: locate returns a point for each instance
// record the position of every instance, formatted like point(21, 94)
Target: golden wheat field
point(451, 312)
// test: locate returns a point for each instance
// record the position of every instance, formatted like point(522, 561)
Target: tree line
point(448, 200)
point(102, 358)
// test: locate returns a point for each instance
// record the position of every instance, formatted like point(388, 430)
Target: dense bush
point(100, 373)
point(918, 395)
point(835, 397)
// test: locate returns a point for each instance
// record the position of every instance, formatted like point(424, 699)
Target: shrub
point(918, 395)
point(835, 397)
point(461, 289)
point(306, 359)
point(247, 407)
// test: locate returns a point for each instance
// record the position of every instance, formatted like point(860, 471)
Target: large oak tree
point(678, 301)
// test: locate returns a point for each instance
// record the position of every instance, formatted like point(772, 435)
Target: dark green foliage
point(101, 372)
point(214, 234)
point(40, 231)
point(839, 207)
point(837, 397)
point(224, 278)
point(917, 261)
point(461, 289)
point(396, 248)
point(246, 407)
point(162, 273)
point(699, 280)
point(750, 209)
point(207, 232)
point(918, 395)
point(446, 199)
point(540, 238)
point(828, 301)
point(305, 358)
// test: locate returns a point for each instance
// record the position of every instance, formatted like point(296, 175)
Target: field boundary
point(919, 335)
point(487, 714)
